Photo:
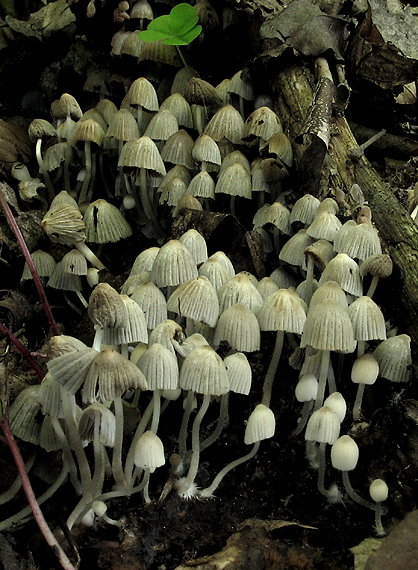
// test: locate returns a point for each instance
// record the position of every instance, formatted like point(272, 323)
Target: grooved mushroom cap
point(226, 123)
point(180, 108)
point(215, 272)
point(293, 251)
point(60, 344)
point(160, 367)
point(261, 425)
point(205, 149)
point(324, 226)
point(394, 358)
point(23, 415)
point(68, 107)
point(64, 224)
point(304, 209)
point(174, 264)
point(345, 272)
point(143, 153)
point(378, 264)
point(173, 192)
point(365, 369)
point(40, 128)
point(328, 327)
point(109, 376)
point(135, 329)
point(239, 373)
point(143, 262)
point(89, 131)
point(204, 372)
point(187, 202)
point(239, 289)
point(64, 281)
point(50, 397)
point(239, 326)
point(106, 420)
point(149, 451)
point(282, 311)
point(329, 290)
point(105, 223)
point(279, 215)
point(123, 126)
point(196, 299)
point(44, 263)
point(262, 123)
point(323, 426)
point(267, 287)
point(74, 262)
point(224, 260)
point(234, 180)
point(168, 333)
point(106, 308)
point(70, 369)
point(152, 302)
point(162, 125)
point(178, 149)
point(344, 454)
point(201, 92)
point(142, 93)
point(360, 242)
point(196, 243)
point(367, 319)
point(241, 85)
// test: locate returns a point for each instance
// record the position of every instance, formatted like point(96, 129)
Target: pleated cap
point(204, 372)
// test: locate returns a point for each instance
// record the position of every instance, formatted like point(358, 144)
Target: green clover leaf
point(177, 28)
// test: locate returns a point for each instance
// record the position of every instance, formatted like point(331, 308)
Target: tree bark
point(293, 88)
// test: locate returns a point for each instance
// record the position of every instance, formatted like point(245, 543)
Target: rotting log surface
point(293, 88)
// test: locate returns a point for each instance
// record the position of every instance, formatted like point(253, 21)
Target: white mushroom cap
point(365, 369)
point(344, 453)
point(323, 426)
point(149, 452)
point(261, 425)
point(204, 372)
point(378, 490)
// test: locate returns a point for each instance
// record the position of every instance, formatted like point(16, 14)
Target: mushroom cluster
point(161, 334)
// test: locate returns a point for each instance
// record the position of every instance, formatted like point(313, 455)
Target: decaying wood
point(293, 88)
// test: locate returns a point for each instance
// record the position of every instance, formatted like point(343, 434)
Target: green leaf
point(185, 39)
point(182, 19)
point(152, 36)
point(177, 28)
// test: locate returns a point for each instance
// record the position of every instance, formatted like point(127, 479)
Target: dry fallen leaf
point(44, 22)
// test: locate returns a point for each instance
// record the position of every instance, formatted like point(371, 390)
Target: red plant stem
point(37, 513)
point(29, 261)
point(22, 349)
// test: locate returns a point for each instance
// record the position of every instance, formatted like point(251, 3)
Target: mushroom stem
point(43, 170)
point(268, 382)
point(358, 401)
point(117, 469)
point(208, 491)
point(322, 380)
point(184, 423)
point(380, 531)
point(148, 208)
point(89, 255)
point(186, 485)
point(353, 494)
point(307, 406)
point(86, 182)
point(223, 414)
point(373, 285)
point(129, 463)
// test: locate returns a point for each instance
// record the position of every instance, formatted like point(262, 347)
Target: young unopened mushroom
point(261, 425)
point(344, 457)
point(323, 427)
point(305, 391)
point(378, 492)
point(364, 372)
